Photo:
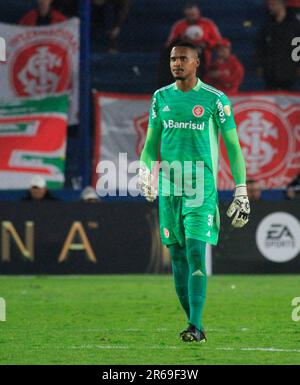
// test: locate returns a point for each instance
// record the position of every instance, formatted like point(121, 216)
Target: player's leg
point(197, 280)
point(172, 235)
point(201, 225)
point(180, 270)
point(197, 290)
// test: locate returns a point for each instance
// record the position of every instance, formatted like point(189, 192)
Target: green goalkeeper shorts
point(179, 221)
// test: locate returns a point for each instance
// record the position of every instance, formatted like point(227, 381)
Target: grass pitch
point(136, 320)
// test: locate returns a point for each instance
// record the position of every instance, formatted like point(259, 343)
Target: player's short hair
point(186, 44)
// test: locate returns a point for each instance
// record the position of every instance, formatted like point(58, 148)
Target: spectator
point(226, 72)
point(89, 194)
point(254, 190)
point(274, 47)
point(120, 10)
point(38, 190)
point(294, 7)
point(43, 14)
point(293, 188)
point(202, 32)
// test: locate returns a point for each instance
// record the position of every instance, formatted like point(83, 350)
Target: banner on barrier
point(268, 126)
point(41, 61)
point(81, 238)
point(33, 141)
point(123, 238)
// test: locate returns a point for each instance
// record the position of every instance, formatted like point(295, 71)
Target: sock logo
point(198, 273)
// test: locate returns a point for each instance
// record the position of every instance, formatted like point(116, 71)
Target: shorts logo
point(198, 111)
point(166, 232)
point(227, 110)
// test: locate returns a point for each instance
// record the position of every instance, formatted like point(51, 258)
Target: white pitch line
point(172, 347)
point(107, 347)
point(122, 347)
point(131, 330)
point(278, 350)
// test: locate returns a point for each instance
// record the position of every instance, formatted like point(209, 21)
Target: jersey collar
point(196, 88)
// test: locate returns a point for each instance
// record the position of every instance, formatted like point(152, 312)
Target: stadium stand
point(141, 42)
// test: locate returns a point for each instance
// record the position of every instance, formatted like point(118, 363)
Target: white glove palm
point(240, 207)
point(145, 184)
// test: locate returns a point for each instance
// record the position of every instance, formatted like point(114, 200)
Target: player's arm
point(150, 153)
point(239, 208)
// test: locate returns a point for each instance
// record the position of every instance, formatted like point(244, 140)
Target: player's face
point(183, 63)
point(192, 15)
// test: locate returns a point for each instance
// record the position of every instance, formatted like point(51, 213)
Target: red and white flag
point(41, 61)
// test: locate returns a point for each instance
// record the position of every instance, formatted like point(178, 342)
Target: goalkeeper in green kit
point(185, 120)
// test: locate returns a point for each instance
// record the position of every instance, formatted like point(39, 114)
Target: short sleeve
point(223, 114)
point(154, 118)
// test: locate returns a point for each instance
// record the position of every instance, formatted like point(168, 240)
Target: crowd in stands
point(219, 66)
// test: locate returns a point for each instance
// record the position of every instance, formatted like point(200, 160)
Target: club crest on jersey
point(198, 111)
point(166, 232)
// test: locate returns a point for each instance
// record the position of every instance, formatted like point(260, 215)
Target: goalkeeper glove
point(240, 207)
point(145, 184)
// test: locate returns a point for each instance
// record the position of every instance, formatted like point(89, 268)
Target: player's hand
point(239, 209)
point(145, 184)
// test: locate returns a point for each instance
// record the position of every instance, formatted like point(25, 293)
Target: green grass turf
point(136, 320)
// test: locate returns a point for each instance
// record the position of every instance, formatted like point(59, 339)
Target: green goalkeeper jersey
point(188, 124)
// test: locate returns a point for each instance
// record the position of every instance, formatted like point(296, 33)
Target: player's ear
point(197, 63)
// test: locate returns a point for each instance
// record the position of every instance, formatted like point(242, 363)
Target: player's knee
point(196, 264)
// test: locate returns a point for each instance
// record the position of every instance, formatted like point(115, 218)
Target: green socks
point(189, 271)
point(197, 280)
point(180, 270)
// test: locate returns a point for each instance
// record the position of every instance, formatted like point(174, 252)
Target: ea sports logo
point(41, 68)
point(277, 237)
point(198, 111)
